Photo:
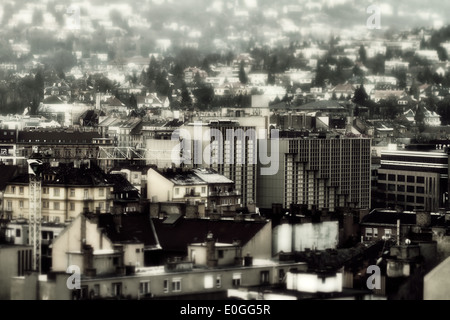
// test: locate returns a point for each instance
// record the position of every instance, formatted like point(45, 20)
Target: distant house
point(432, 118)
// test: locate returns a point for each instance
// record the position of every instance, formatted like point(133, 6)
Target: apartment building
point(65, 192)
point(321, 172)
point(191, 185)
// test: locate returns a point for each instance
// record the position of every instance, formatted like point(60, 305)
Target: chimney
point(117, 218)
point(211, 250)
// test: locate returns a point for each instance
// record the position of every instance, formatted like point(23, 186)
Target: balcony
point(192, 194)
point(225, 193)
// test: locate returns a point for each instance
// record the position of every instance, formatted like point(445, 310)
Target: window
point(391, 177)
point(400, 197)
point(281, 275)
point(382, 176)
point(410, 189)
point(176, 285)
point(72, 206)
point(144, 287)
point(209, 282)
point(375, 232)
point(117, 289)
point(21, 204)
point(20, 190)
point(45, 204)
point(420, 200)
point(236, 279)
point(55, 205)
point(369, 233)
point(18, 233)
point(420, 180)
point(388, 233)
point(264, 277)
point(401, 188)
point(72, 192)
point(13, 190)
point(56, 192)
point(9, 206)
point(86, 194)
point(166, 285)
point(177, 191)
point(203, 189)
point(96, 290)
point(220, 254)
point(410, 179)
point(401, 178)
point(218, 281)
point(391, 187)
point(101, 192)
point(420, 190)
point(45, 190)
point(409, 198)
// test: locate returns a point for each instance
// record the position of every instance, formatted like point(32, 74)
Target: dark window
point(420, 200)
point(420, 190)
point(17, 232)
point(401, 188)
point(400, 197)
point(391, 177)
point(220, 253)
point(420, 180)
point(409, 199)
point(391, 187)
point(410, 179)
point(400, 178)
point(382, 176)
point(410, 189)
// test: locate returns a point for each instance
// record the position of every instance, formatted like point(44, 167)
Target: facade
point(59, 145)
point(222, 145)
point(15, 261)
point(327, 172)
point(66, 192)
point(414, 180)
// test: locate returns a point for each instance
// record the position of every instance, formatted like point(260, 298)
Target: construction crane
point(34, 217)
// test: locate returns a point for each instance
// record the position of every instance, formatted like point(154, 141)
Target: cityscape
point(242, 150)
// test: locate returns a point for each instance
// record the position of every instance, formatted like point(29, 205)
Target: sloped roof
point(135, 228)
point(7, 172)
point(177, 236)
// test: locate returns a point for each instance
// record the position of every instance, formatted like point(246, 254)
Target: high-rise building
point(414, 180)
point(321, 172)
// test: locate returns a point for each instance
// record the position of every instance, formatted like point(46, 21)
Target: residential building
point(66, 191)
point(320, 172)
point(15, 261)
point(191, 185)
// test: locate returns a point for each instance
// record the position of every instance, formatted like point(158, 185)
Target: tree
point(442, 53)
point(360, 96)
point(204, 95)
point(242, 76)
point(419, 117)
point(401, 78)
point(362, 54)
point(186, 100)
